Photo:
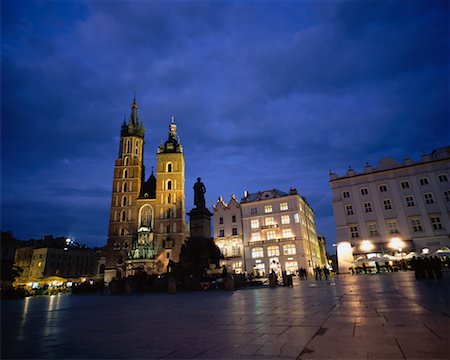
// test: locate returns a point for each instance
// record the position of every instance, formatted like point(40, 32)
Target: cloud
point(264, 96)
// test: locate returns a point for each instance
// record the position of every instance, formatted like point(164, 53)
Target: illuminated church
point(147, 223)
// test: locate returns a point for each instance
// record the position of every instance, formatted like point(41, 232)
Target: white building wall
point(392, 174)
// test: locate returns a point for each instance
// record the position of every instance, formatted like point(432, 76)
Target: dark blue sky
point(265, 94)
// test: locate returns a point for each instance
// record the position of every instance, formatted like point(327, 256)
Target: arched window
point(124, 201)
point(169, 167)
point(124, 187)
point(257, 252)
point(128, 146)
point(273, 251)
point(169, 199)
point(123, 216)
point(146, 216)
point(125, 173)
point(127, 161)
point(169, 184)
point(122, 232)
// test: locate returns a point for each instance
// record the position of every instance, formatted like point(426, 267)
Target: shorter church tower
point(170, 221)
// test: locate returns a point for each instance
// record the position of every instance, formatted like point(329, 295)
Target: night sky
point(265, 95)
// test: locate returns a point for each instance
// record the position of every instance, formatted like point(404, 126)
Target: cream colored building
point(392, 209)
point(278, 233)
point(228, 234)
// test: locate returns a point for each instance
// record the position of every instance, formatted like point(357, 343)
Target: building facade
point(278, 232)
point(54, 257)
point(228, 234)
point(147, 218)
point(393, 209)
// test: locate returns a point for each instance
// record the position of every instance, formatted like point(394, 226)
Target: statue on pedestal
point(199, 194)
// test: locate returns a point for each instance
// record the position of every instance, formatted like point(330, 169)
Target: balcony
point(272, 226)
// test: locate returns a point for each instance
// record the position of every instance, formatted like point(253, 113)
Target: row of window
point(392, 226)
point(269, 221)
point(233, 219)
point(272, 234)
point(269, 208)
point(443, 178)
point(234, 231)
point(273, 250)
point(409, 200)
point(127, 146)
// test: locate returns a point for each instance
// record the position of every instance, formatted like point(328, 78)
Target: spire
point(173, 129)
point(173, 142)
point(133, 117)
point(134, 127)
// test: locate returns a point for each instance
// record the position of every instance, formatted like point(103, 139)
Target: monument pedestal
point(200, 223)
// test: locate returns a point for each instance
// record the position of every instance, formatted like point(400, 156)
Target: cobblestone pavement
point(386, 316)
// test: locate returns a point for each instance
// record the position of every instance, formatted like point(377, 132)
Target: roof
point(264, 195)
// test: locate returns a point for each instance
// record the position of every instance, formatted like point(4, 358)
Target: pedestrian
point(325, 272)
point(428, 268)
point(377, 266)
point(414, 267)
point(436, 265)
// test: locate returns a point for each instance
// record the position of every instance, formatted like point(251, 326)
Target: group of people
point(318, 273)
point(428, 267)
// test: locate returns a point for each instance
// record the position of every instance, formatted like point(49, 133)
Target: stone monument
point(199, 253)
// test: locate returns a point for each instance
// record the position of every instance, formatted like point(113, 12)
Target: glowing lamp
point(366, 245)
point(425, 251)
point(396, 243)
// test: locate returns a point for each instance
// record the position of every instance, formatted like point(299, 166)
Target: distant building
point(147, 219)
point(55, 257)
point(228, 234)
point(394, 208)
point(278, 232)
point(8, 249)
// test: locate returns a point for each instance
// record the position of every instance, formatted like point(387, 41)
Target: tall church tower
point(127, 180)
point(170, 224)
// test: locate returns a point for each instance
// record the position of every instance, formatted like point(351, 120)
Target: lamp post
point(336, 257)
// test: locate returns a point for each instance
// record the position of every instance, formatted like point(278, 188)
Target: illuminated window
point(367, 207)
point(269, 221)
point(428, 198)
point(383, 188)
point(345, 194)
point(284, 206)
point(296, 218)
point(124, 187)
point(372, 227)
point(287, 233)
point(253, 211)
point(125, 173)
point(273, 251)
point(271, 235)
point(268, 209)
point(256, 236)
point(124, 201)
point(237, 266)
point(424, 181)
point(387, 204)
point(257, 252)
point(410, 200)
point(127, 160)
point(285, 219)
point(234, 231)
point(392, 227)
point(221, 233)
point(349, 209)
point(124, 215)
point(169, 185)
point(364, 191)
point(354, 232)
point(436, 222)
point(405, 184)
point(443, 178)
point(254, 224)
point(416, 225)
point(289, 249)
point(169, 167)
